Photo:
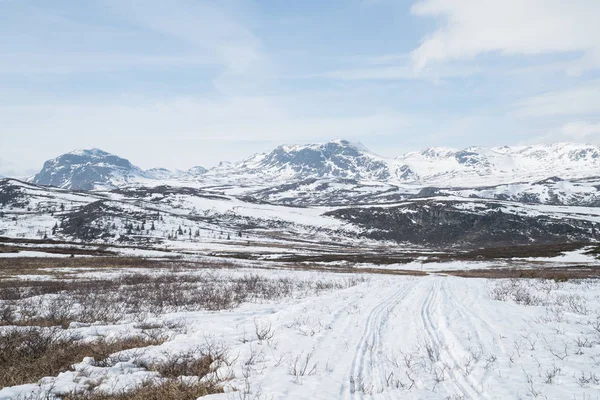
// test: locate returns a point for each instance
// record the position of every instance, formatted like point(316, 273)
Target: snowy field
point(280, 334)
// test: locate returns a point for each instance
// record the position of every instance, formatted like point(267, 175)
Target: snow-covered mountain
point(337, 159)
point(86, 170)
point(196, 171)
point(95, 169)
point(481, 165)
point(441, 167)
point(163, 174)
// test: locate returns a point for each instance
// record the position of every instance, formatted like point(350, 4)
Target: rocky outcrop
point(460, 224)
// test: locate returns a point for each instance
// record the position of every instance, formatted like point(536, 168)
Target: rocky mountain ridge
point(338, 159)
point(95, 169)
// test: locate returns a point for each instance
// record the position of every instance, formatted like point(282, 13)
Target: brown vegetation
point(559, 274)
point(171, 389)
point(29, 354)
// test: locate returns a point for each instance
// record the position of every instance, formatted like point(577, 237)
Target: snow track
point(442, 346)
point(369, 352)
point(434, 337)
point(417, 315)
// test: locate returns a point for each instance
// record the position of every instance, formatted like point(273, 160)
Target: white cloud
point(516, 27)
point(581, 100)
point(149, 34)
point(581, 131)
point(402, 72)
point(573, 131)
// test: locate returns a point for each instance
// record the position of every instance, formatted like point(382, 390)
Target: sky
point(181, 83)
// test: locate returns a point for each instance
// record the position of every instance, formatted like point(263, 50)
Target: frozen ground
point(372, 337)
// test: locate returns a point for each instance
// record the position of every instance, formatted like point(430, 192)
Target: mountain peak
point(95, 152)
point(338, 158)
point(349, 143)
point(335, 143)
point(87, 169)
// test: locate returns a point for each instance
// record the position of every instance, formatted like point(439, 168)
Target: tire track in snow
point(369, 347)
point(485, 334)
point(336, 317)
point(439, 343)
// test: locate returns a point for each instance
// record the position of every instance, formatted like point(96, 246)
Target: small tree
point(152, 226)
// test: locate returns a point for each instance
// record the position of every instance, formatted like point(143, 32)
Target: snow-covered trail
point(348, 346)
point(408, 337)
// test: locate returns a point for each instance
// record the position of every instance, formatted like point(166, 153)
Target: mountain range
point(336, 191)
point(341, 159)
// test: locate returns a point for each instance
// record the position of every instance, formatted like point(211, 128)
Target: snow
point(433, 337)
point(580, 256)
point(31, 254)
point(441, 166)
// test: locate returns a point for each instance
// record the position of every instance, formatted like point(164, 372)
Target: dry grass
point(183, 364)
point(559, 274)
point(41, 265)
point(29, 354)
point(60, 302)
point(351, 269)
point(75, 251)
point(171, 389)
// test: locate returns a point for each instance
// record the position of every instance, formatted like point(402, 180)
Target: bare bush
point(518, 290)
point(28, 354)
point(264, 330)
point(48, 303)
point(585, 380)
point(551, 373)
point(171, 389)
point(301, 365)
point(198, 362)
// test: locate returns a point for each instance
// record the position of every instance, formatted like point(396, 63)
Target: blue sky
point(189, 82)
